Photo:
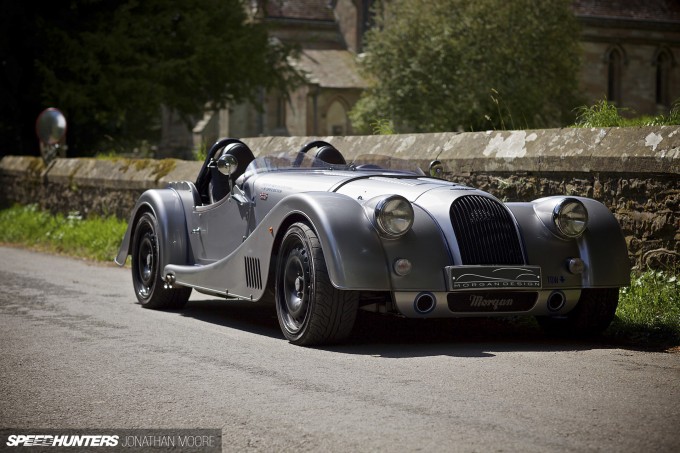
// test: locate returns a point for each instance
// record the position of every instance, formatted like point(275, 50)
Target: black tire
point(591, 316)
point(311, 311)
point(146, 273)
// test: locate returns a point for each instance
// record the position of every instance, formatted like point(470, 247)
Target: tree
point(446, 65)
point(109, 65)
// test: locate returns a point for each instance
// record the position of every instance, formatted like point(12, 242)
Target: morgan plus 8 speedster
point(322, 238)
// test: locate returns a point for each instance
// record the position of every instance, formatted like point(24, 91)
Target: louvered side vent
point(253, 274)
point(485, 231)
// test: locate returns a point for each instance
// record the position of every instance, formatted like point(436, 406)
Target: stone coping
point(635, 149)
point(627, 150)
point(131, 174)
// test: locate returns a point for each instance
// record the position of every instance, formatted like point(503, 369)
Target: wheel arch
point(278, 239)
point(352, 250)
point(602, 246)
point(166, 206)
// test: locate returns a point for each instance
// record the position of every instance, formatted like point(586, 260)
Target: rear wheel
point(146, 273)
point(311, 311)
point(591, 316)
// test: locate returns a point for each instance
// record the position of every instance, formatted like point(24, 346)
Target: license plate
point(475, 278)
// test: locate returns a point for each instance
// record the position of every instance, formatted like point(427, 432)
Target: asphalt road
point(77, 352)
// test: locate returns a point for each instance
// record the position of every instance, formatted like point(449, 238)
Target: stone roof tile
point(642, 10)
point(300, 9)
point(330, 68)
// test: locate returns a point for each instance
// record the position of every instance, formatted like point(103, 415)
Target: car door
point(217, 229)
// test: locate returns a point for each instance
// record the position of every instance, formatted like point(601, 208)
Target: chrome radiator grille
point(485, 231)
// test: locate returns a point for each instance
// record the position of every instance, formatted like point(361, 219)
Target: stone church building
point(631, 50)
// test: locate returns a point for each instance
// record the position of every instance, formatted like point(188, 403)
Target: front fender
point(353, 251)
point(601, 247)
point(166, 206)
point(357, 258)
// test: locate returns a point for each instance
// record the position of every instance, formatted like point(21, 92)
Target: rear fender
point(166, 206)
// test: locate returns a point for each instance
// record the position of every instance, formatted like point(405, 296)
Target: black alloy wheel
point(146, 273)
point(309, 309)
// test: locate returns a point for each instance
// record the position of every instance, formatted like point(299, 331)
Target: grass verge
point(648, 315)
point(649, 310)
point(606, 114)
point(95, 238)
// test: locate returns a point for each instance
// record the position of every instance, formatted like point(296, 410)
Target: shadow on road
point(391, 337)
point(458, 337)
point(254, 317)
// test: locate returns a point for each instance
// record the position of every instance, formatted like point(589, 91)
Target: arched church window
point(614, 71)
point(336, 119)
point(663, 68)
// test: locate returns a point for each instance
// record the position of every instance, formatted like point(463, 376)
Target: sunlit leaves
point(446, 65)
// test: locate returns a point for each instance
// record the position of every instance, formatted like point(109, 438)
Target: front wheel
point(592, 315)
point(146, 272)
point(310, 310)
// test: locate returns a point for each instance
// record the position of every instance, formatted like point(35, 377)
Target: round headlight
point(570, 217)
point(394, 216)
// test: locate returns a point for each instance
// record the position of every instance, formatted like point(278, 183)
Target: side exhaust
point(424, 303)
point(556, 301)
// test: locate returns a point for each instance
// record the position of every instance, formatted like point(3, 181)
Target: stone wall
point(87, 186)
point(634, 171)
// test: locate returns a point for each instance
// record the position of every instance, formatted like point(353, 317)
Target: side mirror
point(227, 164)
point(436, 169)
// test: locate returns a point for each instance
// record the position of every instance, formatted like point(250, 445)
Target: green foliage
point(649, 309)
point(444, 65)
point(382, 127)
point(368, 112)
point(201, 153)
point(673, 117)
point(503, 114)
point(606, 114)
point(602, 114)
point(109, 66)
point(95, 238)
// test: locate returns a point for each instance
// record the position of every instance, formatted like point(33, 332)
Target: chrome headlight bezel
point(393, 216)
point(570, 217)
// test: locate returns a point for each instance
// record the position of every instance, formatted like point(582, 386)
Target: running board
point(235, 276)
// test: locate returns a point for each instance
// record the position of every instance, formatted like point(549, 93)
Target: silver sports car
point(322, 238)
